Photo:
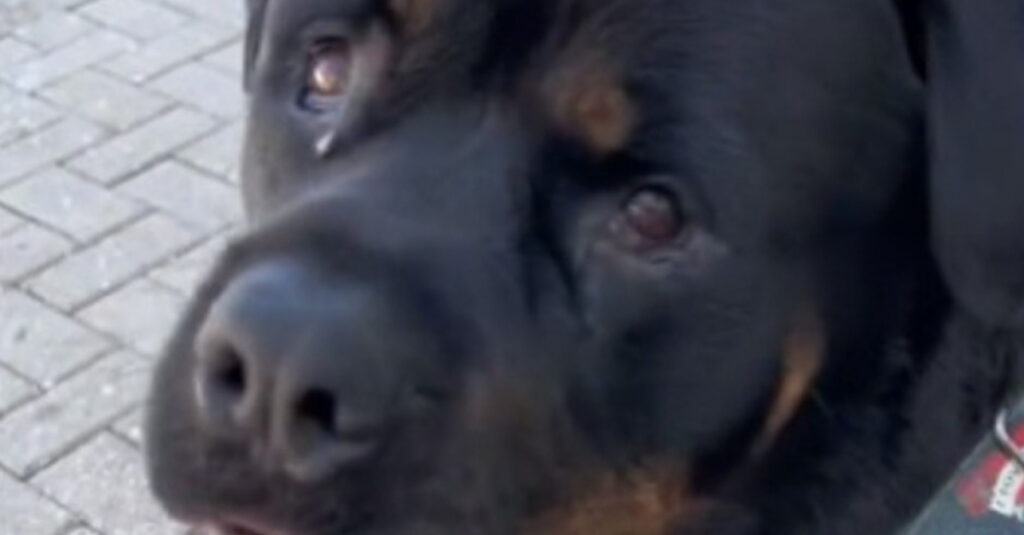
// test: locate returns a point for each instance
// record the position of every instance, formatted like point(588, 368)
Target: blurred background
point(119, 132)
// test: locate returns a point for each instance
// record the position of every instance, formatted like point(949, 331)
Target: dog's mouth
point(239, 526)
point(232, 529)
point(649, 502)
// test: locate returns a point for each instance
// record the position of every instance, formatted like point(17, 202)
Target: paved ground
point(118, 139)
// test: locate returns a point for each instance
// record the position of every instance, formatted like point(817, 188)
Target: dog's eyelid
point(326, 73)
point(329, 66)
point(327, 43)
point(325, 30)
point(342, 62)
point(689, 193)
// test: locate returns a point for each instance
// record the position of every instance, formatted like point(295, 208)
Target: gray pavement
point(119, 133)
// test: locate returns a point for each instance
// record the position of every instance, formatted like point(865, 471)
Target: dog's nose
point(300, 367)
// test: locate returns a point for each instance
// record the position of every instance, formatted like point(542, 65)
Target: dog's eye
point(327, 73)
point(650, 218)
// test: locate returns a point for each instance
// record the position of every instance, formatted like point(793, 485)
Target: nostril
point(322, 435)
point(316, 409)
point(223, 386)
point(229, 374)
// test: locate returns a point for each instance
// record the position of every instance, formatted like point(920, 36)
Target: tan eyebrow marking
point(415, 15)
point(589, 101)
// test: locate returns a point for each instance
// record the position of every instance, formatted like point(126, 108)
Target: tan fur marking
point(605, 117)
point(647, 501)
point(589, 102)
point(415, 15)
point(803, 353)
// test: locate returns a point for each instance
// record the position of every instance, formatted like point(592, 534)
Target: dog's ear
point(253, 35)
point(975, 81)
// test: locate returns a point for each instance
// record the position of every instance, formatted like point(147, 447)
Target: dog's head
point(508, 258)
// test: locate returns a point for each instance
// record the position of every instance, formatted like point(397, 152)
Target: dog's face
point(504, 250)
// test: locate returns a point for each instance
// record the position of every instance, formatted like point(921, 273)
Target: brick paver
point(21, 113)
point(119, 136)
point(28, 248)
point(136, 149)
point(46, 147)
point(111, 262)
point(64, 61)
point(53, 29)
point(137, 314)
point(25, 510)
point(8, 221)
point(185, 272)
point(116, 501)
point(40, 343)
point(13, 390)
point(70, 204)
point(197, 201)
point(35, 434)
point(105, 99)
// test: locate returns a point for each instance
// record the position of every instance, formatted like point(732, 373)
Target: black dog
point(639, 267)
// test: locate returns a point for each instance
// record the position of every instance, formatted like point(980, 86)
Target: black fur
point(865, 157)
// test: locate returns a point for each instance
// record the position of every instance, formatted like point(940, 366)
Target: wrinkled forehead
point(678, 86)
point(555, 62)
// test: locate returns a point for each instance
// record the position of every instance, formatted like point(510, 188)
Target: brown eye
point(650, 218)
point(328, 73)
